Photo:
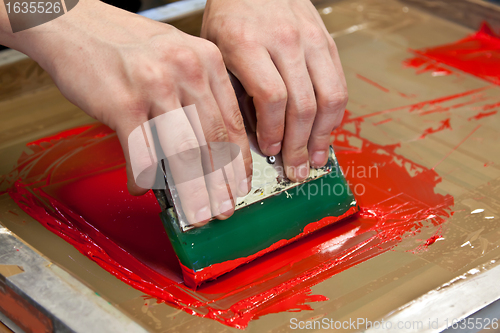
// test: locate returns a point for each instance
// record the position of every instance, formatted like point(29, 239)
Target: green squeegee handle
point(258, 226)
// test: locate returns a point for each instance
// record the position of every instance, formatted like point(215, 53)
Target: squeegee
point(276, 212)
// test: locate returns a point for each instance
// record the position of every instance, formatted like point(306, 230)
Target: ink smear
point(477, 54)
point(74, 183)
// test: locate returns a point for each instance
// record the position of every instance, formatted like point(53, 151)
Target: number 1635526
point(33, 7)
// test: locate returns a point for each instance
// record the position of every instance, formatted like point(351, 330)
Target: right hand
point(124, 70)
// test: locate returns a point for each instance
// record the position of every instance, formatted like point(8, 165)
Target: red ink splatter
point(11, 212)
point(421, 105)
point(58, 136)
point(375, 84)
point(415, 62)
point(477, 54)
point(487, 107)
point(295, 303)
point(406, 95)
point(432, 240)
point(487, 164)
point(445, 124)
point(382, 122)
point(483, 115)
point(430, 66)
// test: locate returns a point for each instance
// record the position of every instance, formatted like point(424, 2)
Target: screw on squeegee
point(271, 159)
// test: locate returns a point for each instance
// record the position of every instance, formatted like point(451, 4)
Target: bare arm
point(124, 69)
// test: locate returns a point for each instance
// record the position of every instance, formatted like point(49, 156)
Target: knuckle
point(306, 110)
point(188, 60)
point(235, 123)
point(333, 102)
point(187, 151)
point(288, 35)
point(322, 138)
point(342, 97)
point(297, 154)
point(213, 53)
point(246, 38)
point(237, 34)
point(273, 94)
point(217, 133)
point(316, 36)
point(272, 133)
point(332, 45)
point(150, 74)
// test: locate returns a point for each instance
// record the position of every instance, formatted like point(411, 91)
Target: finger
point(228, 105)
point(216, 155)
point(139, 157)
point(262, 81)
point(180, 145)
point(221, 181)
point(300, 113)
point(331, 100)
point(332, 48)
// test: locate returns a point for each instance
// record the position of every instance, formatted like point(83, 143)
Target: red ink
point(83, 198)
point(382, 122)
point(445, 124)
point(375, 84)
point(406, 95)
point(421, 105)
point(60, 135)
point(430, 66)
point(13, 213)
point(196, 278)
point(487, 107)
point(475, 98)
point(456, 147)
point(295, 303)
point(483, 115)
point(432, 240)
point(477, 54)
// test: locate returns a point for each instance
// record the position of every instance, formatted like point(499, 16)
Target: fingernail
point(244, 188)
point(318, 158)
point(303, 171)
point(274, 149)
point(298, 173)
point(225, 207)
point(203, 214)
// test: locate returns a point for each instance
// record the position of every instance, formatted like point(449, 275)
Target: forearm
point(45, 41)
point(7, 38)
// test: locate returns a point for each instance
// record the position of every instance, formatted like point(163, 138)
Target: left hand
point(287, 61)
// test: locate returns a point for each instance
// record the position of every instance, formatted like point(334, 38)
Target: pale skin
point(123, 70)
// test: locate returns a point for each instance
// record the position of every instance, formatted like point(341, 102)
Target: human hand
point(124, 70)
point(285, 59)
